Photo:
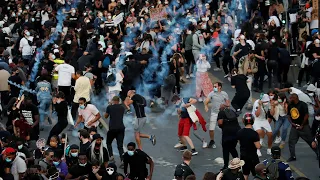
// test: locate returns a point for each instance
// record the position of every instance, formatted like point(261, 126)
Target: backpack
point(181, 169)
point(272, 167)
point(106, 62)
point(230, 114)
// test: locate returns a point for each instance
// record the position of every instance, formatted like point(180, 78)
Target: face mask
point(101, 25)
point(20, 146)
point(203, 19)
point(69, 42)
point(32, 19)
point(159, 2)
point(109, 17)
point(74, 154)
point(27, 33)
point(27, 7)
point(49, 11)
point(109, 46)
point(242, 37)
point(53, 56)
point(58, 101)
point(26, 20)
point(130, 153)
point(226, 28)
point(84, 14)
point(112, 0)
point(56, 163)
point(8, 8)
point(110, 171)
point(256, 26)
point(8, 160)
point(215, 89)
point(87, 21)
point(82, 164)
point(81, 106)
point(271, 97)
point(280, 100)
point(273, 40)
point(101, 49)
point(311, 94)
point(317, 118)
point(91, 136)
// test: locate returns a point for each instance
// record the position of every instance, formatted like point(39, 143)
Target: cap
point(275, 150)
point(9, 150)
point(55, 51)
point(314, 31)
point(96, 136)
point(317, 41)
point(74, 146)
point(265, 98)
point(307, 5)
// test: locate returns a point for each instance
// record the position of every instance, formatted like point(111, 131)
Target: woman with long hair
point(203, 83)
point(97, 152)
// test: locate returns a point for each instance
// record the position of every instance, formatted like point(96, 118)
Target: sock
point(193, 149)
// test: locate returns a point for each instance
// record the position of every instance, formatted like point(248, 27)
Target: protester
point(183, 170)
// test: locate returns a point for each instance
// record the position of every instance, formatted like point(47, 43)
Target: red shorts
point(184, 127)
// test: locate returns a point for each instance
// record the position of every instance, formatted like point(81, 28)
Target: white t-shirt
point(88, 114)
point(18, 166)
point(65, 72)
point(44, 17)
point(117, 87)
point(24, 45)
point(263, 112)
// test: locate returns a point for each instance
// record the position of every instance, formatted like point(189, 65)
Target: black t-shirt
point(228, 175)
point(138, 105)
point(15, 91)
point(240, 83)
point(28, 112)
point(314, 49)
point(245, 50)
point(137, 164)
point(230, 126)
point(183, 170)
point(273, 53)
point(247, 138)
point(297, 112)
point(78, 171)
point(84, 147)
point(116, 113)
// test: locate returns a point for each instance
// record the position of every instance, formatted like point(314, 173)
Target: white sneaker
point(200, 99)
point(178, 145)
point(204, 144)
point(269, 151)
point(191, 75)
point(225, 76)
point(187, 76)
point(261, 142)
point(259, 153)
point(278, 140)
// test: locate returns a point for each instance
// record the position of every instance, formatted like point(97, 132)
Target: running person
point(218, 98)
point(139, 103)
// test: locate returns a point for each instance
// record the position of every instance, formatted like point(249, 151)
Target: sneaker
point(225, 76)
point(178, 145)
point(182, 81)
point(269, 151)
point(191, 75)
point(187, 76)
point(259, 153)
point(200, 99)
point(153, 139)
point(292, 159)
point(229, 79)
point(194, 152)
point(183, 148)
point(212, 145)
point(204, 144)
point(278, 140)
point(281, 146)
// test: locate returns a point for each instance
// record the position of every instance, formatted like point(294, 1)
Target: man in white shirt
point(65, 73)
point(25, 47)
point(261, 123)
point(88, 113)
point(18, 165)
point(82, 88)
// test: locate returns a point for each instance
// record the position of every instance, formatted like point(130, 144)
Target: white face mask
point(271, 97)
point(27, 7)
point(109, 46)
point(109, 17)
point(273, 40)
point(91, 136)
point(242, 37)
point(256, 26)
point(53, 57)
point(84, 14)
point(101, 25)
point(73, 11)
point(20, 146)
point(112, 0)
point(317, 118)
point(159, 2)
point(87, 21)
point(225, 28)
point(69, 42)
point(32, 19)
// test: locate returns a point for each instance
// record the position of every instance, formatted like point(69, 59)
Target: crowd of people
point(62, 58)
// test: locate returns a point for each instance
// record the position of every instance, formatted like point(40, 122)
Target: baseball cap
point(314, 31)
point(265, 98)
point(275, 150)
point(9, 150)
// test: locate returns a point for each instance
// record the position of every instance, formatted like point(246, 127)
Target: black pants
point(67, 92)
point(272, 66)
point(177, 86)
point(259, 76)
point(307, 69)
point(4, 99)
point(227, 60)
point(239, 100)
point(314, 127)
point(283, 71)
point(217, 60)
point(294, 136)
point(250, 163)
point(57, 129)
point(229, 146)
point(74, 110)
point(119, 136)
point(190, 60)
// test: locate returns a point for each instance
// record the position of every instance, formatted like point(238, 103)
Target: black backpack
point(230, 114)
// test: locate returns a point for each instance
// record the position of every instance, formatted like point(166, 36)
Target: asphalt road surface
point(164, 126)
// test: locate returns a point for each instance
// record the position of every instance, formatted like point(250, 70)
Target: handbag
point(192, 113)
point(69, 117)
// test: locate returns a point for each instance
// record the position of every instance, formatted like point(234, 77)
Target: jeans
point(284, 122)
point(44, 109)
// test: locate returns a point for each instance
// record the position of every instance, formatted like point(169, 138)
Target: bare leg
point(211, 134)
point(269, 135)
point(189, 141)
